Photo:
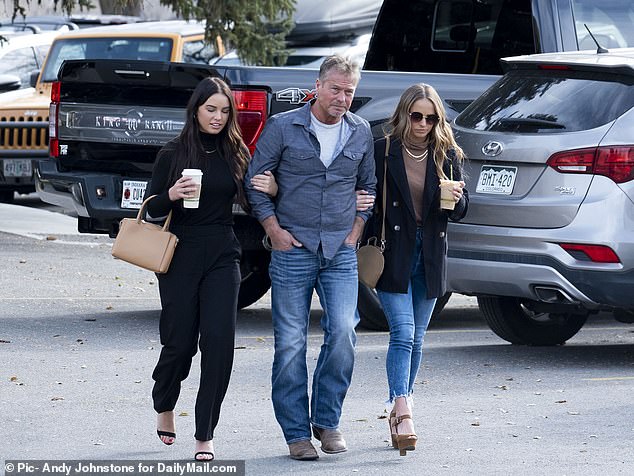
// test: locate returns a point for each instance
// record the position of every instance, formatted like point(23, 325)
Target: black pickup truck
point(109, 118)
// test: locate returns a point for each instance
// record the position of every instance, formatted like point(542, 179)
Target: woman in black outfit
point(199, 293)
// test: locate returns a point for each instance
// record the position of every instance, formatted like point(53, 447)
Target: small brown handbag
point(145, 244)
point(370, 259)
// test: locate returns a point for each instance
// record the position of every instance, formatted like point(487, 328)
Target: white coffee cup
point(197, 176)
point(447, 199)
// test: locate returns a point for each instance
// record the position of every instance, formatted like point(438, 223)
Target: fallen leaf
point(13, 379)
point(183, 414)
point(109, 308)
point(51, 238)
point(260, 339)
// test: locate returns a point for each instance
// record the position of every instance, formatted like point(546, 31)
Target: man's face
point(334, 97)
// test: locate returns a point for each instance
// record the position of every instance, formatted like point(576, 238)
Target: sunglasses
point(429, 118)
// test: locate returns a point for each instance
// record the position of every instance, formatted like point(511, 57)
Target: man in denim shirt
point(320, 154)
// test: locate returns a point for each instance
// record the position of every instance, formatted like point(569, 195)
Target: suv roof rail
point(35, 25)
point(20, 28)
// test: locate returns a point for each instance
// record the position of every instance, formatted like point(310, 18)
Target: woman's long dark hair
point(231, 147)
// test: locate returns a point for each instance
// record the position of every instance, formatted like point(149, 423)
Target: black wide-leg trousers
point(199, 298)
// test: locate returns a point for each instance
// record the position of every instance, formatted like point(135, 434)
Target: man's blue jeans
point(408, 315)
point(294, 275)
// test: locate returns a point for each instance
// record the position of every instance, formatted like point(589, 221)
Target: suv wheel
point(513, 320)
point(371, 313)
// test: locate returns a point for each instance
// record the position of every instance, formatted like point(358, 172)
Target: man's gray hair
point(342, 65)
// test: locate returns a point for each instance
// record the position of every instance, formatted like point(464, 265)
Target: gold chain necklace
point(416, 158)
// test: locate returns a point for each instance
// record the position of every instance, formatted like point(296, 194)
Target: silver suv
point(549, 236)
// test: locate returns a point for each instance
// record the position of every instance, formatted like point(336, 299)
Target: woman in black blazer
point(421, 151)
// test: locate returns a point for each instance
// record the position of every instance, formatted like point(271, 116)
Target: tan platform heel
point(391, 421)
point(404, 441)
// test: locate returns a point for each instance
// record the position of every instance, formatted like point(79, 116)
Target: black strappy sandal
point(168, 434)
point(199, 453)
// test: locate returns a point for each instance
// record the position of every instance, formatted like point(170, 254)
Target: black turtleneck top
point(216, 194)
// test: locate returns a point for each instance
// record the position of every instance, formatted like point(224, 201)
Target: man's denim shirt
point(314, 203)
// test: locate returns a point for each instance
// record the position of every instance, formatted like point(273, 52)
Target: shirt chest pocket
point(348, 162)
point(297, 161)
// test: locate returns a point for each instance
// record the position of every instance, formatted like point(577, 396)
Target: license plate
point(496, 179)
point(133, 192)
point(17, 168)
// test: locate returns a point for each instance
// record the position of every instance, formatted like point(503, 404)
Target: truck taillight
point(53, 143)
point(614, 162)
point(252, 111)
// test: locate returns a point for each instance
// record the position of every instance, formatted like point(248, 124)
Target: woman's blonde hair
point(441, 136)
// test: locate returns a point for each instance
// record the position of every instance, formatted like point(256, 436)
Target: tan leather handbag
point(370, 259)
point(145, 244)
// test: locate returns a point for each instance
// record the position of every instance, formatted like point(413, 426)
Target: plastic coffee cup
point(197, 176)
point(447, 200)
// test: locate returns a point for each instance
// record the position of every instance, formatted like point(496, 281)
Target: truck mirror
point(9, 82)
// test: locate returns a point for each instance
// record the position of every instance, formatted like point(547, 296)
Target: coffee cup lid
point(192, 172)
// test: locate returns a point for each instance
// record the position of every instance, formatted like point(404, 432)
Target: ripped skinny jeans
point(408, 316)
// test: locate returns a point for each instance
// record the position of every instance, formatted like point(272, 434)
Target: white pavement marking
point(38, 224)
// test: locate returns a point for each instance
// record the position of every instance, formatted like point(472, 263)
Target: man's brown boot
point(303, 450)
point(331, 440)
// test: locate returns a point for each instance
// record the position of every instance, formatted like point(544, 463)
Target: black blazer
point(400, 233)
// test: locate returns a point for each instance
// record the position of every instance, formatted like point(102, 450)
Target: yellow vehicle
point(24, 121)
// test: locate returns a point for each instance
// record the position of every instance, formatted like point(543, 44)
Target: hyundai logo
point(492, 148)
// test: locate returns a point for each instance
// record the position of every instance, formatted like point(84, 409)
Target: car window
point(610, 23)
point(198, 52)
point(536, 101)
point(156, 49)
point(450, 36)
point(40, 53)
point(20, 62)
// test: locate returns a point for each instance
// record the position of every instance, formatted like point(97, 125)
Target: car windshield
point(554, 101)
point(156, 49)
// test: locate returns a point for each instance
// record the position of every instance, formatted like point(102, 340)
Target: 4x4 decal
point(295, 95)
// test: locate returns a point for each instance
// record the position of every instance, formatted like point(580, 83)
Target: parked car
point(311, 56)
point(21, 53)
point(67, 22)
point(549, 235)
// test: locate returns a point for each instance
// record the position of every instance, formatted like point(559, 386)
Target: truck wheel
point(512, 319)
point(6, 196)
point(252, 287)
point(371, 313)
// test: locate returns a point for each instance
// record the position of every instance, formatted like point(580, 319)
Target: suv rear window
point(552, 101)
point(155, 49)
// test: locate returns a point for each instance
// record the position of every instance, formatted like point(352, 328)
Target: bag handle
point(384, 197)
point(139, 216)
